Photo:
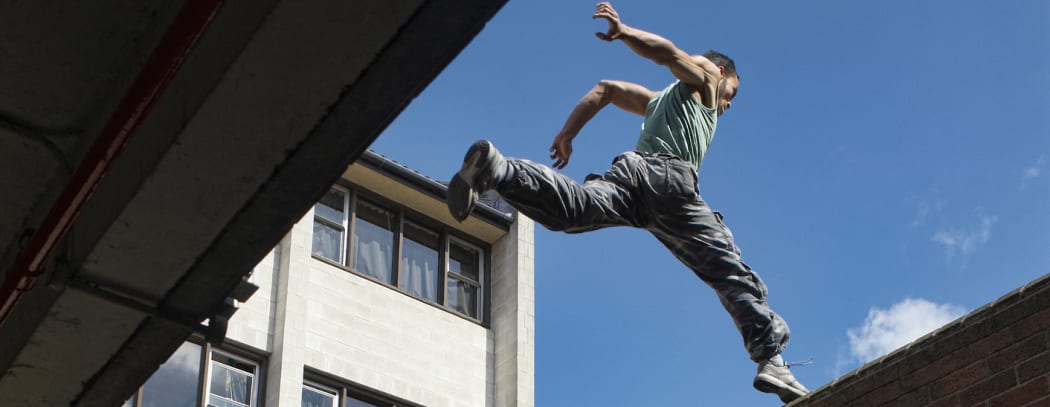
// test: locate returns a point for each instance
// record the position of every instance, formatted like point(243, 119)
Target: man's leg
point(705, 245)
point(550, 198)
point(696, 236)
point(482, 167)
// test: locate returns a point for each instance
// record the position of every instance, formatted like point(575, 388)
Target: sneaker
point(477, 174)
point(779, 380)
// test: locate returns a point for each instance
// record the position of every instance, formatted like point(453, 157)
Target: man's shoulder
point(685, 93)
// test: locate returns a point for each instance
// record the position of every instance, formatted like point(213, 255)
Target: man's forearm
point(585, 109)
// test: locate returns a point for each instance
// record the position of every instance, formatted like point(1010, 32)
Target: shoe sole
point(461, 194)
point(769, 384)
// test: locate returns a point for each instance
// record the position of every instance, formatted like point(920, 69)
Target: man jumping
point(653, 188)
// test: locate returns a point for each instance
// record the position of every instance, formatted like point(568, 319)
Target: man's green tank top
point(677, 123)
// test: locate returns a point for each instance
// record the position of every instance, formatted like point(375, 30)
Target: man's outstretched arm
point(628, 96)
point(697, 71)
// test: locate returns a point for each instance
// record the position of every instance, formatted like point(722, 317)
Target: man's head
point(730, 81)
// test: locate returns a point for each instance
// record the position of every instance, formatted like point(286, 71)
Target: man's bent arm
point(698, 72)
point(628, 96)
point(663, 52)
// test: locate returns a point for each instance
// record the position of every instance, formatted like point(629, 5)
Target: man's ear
point(722, 70)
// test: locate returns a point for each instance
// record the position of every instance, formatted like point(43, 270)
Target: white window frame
point(211, 369)
point(480, 306)
point(344, 223)
point(337, 395)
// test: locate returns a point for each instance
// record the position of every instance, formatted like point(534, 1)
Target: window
point(330, 226)
point(175, 382)
point(315, 395)
point(419, 262)
point(464, 276)
point(401, 249)
point(232, 382)
point(338, 395)
point(228, 381)
point(374, 241)
point(352, 402)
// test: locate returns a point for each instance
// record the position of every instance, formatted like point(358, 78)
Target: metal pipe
point(166, 60)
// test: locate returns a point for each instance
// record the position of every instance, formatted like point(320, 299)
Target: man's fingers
point(606, 12)
point(560, 160)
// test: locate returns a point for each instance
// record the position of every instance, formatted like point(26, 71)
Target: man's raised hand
point(560, 150)
point(606, 11)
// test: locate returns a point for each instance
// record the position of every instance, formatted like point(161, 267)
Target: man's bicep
point(628, 96)
point(696, 71)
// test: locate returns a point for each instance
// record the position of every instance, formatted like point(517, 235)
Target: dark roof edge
point(430, 186)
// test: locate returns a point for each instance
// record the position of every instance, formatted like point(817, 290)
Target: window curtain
point(327, 241)
point(230, 385)
point(462, 297)
point(419, 270)
point(374, 241)
point(373, 250)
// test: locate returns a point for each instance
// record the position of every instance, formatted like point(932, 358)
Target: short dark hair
point(721, 59)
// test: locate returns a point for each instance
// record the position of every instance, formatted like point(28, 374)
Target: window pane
point(462, 297)
point(352, 402)
point(231, 382)
point(374, 242)
point(328, 241)
point(174, 384)
point(419, 262)
point(464, 261)
point(331, 206)
point(314, 397)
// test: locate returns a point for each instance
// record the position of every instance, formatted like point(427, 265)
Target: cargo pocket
point(681, 181)
point(727, 233)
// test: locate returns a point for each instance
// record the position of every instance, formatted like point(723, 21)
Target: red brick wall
point(998, 355)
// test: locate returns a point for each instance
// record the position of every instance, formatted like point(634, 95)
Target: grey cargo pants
point(658, 193)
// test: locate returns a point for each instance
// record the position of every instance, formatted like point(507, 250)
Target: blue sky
point(885, 168)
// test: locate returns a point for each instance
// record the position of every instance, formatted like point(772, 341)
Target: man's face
point(726, 92)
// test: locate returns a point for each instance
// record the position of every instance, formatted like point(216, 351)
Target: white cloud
point(1032, 171)
point(925, 209)
point(885, 330)
point(964, 241)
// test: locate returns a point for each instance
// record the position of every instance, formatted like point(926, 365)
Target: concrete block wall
point(285, 366)
point(252, 324)
point(514, 316)
point(377, 337)
point(998, 355)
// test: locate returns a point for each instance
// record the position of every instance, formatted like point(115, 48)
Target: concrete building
point(376, 297)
